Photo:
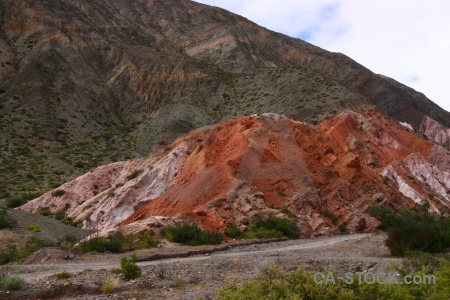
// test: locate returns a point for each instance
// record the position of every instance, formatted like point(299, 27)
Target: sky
point(407, 40)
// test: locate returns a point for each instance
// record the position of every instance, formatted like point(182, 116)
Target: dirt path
point(203, 275)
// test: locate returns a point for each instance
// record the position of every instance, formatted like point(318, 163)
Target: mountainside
point(229, 173)
point(85, 83)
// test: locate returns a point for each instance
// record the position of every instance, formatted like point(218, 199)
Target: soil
point(197, 276)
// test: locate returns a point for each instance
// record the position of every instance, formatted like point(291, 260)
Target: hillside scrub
point(12, 253)
point(190, 235)
point(16, 201)
point(273, 227)
point(11, 282)
point(300, 284)
point(413, 230)
point(117, 243)
point(6, 221)
point(270, 227)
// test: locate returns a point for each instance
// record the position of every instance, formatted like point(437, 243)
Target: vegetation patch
point(19, 200)
point(6, 221)
point(129, 268)
point(11, 282)
point(233, 232)
point(273, 227)
point(58, 193)
point(190, 235)
point(413, 230)
point(34, 228)
point(117, 243)
point(12, 253)
point(276, 284)
point(63, 275)
point(133, 175)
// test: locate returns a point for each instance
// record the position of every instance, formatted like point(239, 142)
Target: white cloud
point(408, 40)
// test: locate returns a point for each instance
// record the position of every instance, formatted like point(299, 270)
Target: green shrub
point(32, 244)
point(11, 282)
point(34, 228)
point(233, 232)
point(19, 200)
point(301, 285)
point(190, 235)
point(144, 240)
point(273, 227)
point(63, 275)
point(9, 255)
point(133, 175)
point(58, 193)
point(413, 230)
point(342, 228)
point(70, 222)
point(60, 215)
point(129, 268)
point(118, 243)
point(261, 233)
point(114, 243)
point(45, 212)
point(6, 221)
point(79, 165)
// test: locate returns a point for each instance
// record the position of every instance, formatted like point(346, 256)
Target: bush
point(63, 275)
point(70, 222)
point(9, 255)
point(133, 175)
point(273, 227)
point(17, 201)
point(6, 221)
point(45, 212)
point(190, 235)
point(60, 215)
point(301, 285)
point(143, 241)
point(32, 244)
point(117, 243)
point(11, 282)
point(113, 243)
point(413, 230)
point(129, 268)
point(109, 285)
point(233, 232)
point(58, 193)
point(79, 165)
point(34, 228)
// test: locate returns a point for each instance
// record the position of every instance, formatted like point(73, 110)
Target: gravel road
point(200, 275)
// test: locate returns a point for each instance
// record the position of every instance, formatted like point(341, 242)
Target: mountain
point(113, 83)
point(85, 83)
point(328, 175)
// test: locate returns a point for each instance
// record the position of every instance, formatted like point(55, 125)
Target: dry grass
point(109, 285)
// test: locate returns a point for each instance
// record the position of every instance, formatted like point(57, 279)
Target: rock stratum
point(86, 83)
point(259, 165)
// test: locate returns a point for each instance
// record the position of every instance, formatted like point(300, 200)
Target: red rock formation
point(229, 173)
